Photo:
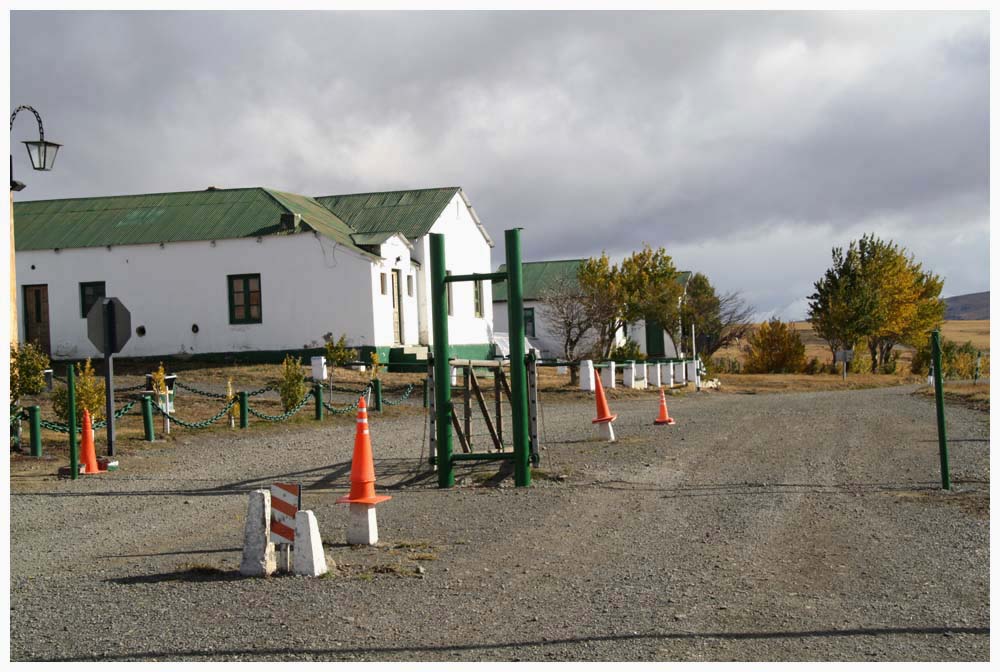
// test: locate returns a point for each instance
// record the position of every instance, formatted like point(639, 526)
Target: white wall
point(466, 251)
point(637, 332)
point(393, 249)
point(310, 286)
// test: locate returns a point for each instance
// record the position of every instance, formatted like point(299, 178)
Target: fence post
point(74, 457)
point(518, 369)
point(318, 395)
point(35, 430)
point(377, 394)
point(939, 400)
point(244, 413)
point(147, 418)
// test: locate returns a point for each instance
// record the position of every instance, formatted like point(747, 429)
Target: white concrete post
point(691, 371)
point(605, 431)
point(653, 371)
point(684, 373)
point(628, 375)
point(258, 549)
point(671, 365)
point(308, 558)
point(362, 525)
point(318, 368)
point(641, 375)
point(587, 375)
point(608, 376)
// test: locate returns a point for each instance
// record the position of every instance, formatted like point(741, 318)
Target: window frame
point(529, 311)
point(84, 286)
point(477, 298)
point(230, 293)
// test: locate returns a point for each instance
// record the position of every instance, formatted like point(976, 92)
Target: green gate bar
point(939, 401)
point(518, 373)
point(35, 430)
point(442, 374)
point(244, 412)
point(74, 457)
point(377, 394)
point(445, 457)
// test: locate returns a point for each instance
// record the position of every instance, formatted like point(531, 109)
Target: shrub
point(957, 361)
point(775, 347)
point(813, 367)
point(628, 350)
point(293, 383)
point(862, 362)
point(89, 396)
point(889, 367)
point(27, 371)
point(337, 353)
point(376, 365)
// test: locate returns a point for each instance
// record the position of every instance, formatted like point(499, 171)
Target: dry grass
point(969, 394)
point(782, 382)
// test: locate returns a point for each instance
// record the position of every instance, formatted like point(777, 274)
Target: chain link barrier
point(340, 411)
point(266, 388)
point(203, 393)
point(284, 416)
point(64, 429)
point(197, 425)
point(118, 414)
point(406, 395)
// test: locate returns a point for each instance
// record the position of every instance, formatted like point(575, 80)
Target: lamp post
point(43, 156)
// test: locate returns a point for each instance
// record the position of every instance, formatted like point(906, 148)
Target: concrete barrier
point(258, 550)
point(308, 558)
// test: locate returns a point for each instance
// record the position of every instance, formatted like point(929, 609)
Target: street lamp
point(43, 156)
point(41, 152)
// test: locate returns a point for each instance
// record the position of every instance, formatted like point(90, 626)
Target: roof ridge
point(152, 193)
point(390, 191)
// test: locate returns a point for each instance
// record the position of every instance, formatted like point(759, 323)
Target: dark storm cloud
point(717, 135)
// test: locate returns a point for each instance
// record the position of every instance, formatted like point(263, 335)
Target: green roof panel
point(411, 213)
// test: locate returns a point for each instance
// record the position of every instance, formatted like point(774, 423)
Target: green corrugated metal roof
point(411, 213)
point(538, 276)
point(215, 214)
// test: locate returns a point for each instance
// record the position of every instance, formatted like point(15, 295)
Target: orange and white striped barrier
point(286, 499)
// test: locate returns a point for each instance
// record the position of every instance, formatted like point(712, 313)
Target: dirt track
point(769, 527)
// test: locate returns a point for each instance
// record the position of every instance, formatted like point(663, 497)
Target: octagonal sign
point(117, 323)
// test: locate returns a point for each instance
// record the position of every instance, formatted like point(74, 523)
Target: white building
point(541, 276)
point(249, 272)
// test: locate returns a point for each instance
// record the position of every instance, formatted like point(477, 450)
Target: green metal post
point(35, 430)
point(147, 418)
point(74, 457)
point(442, 365)
point(518, 372)
point(318, 396)
point(377, 394)
point(244, 413)
point(939, 399)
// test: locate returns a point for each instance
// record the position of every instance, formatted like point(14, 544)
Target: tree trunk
point(873, 351)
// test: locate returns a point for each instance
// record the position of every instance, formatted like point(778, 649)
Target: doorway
point(397, 308)
point(36, 316)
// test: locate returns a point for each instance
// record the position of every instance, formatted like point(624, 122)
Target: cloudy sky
point(746, 144)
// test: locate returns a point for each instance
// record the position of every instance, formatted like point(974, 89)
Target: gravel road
point(807, 526)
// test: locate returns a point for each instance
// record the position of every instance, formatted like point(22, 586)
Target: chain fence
point(284, 416)
point(406, 395)
point(197, 425)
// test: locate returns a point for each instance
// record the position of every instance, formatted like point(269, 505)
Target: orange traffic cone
point(87, 452)
point(603, 412)
point(664, 418)
point(362, 465)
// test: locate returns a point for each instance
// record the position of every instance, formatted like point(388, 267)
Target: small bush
point(628, 350)
point(813, 367)
point(159, 380)
point(890, 366)
point(27, 371)
point(958, 362)
point(862, 362)
point(376, 365)
point(293, 383)
point(775, 347)
point(89, 396)
point(337, 352)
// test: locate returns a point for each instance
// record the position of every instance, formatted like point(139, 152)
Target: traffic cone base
point(362, 465)
point(664, 417)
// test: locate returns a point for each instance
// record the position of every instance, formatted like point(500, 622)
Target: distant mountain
point(968, 307)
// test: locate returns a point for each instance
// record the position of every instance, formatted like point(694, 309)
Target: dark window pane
point(237, 284)
point(254, 284)
point(255, 298)
point(255, 312)
point(239, 312)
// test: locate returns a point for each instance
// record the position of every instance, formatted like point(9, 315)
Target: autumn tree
point(718, 320)
point(774, 347)
point(876, 294)
point(645, 286)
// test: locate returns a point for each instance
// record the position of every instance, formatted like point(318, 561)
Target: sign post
point(109, 326)
point(843, 356)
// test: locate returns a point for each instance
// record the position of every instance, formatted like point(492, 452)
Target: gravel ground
point(804, 526)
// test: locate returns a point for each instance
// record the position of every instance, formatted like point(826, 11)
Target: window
point(451, 307)
point(382, 280)
point(477, 291)
point(244, 299)
point(529, 322)
point(90, 293)
point(409, 285)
